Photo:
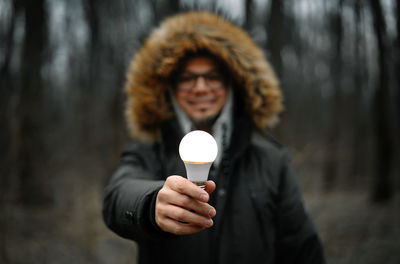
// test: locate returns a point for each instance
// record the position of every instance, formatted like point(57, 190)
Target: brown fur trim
point(151, 67)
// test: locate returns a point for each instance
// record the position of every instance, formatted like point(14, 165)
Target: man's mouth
point(204, 104)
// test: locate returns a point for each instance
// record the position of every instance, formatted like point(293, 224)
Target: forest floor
point(352, 229)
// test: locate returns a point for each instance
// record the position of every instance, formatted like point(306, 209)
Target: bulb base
point(198, 172)
point(201, 184)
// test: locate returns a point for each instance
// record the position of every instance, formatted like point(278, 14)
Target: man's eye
point(213, 77)
point(186, 78)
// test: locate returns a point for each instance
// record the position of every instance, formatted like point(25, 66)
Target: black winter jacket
point(260, 213)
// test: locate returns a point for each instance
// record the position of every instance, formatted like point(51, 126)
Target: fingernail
point(212, 212)
point(203, 197)
point(209, 222)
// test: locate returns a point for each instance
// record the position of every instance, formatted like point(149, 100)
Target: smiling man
point(198, 71)
point(201, 91)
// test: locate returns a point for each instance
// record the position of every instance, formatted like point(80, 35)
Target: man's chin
point(204, 122)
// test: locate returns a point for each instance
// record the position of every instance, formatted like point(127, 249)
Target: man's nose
point(200, 85)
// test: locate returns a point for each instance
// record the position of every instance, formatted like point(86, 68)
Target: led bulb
point(198, 150)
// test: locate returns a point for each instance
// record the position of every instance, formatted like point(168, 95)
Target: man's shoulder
point(266, 141)
point(137, 145)
point(140, 148)
point(267, 147)
point(137, 152)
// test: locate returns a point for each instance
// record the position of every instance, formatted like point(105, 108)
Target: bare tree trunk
point(89, 93)
point(358, 148)
point(8, 129)
point(92, 8)
point(331, 158)
point(31, 115)
point(248, 14)
point(8, 94)
point(274, 29)
point(275, 34)
point(162, 9)
point(382, 190)
point(396, 48)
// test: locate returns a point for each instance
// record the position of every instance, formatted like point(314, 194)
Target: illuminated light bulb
point(198, 150)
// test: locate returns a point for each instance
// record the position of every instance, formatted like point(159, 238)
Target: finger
point(182, 215)
point(189, 203)
point(184, 186)
point(168, 196)
point(210, 187)
point(178, 228)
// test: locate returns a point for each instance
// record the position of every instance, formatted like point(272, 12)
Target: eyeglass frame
point(194, 77)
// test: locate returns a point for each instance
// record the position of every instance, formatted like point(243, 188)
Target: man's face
point(200, 89)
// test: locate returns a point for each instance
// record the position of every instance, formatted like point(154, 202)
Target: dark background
point(63, 64)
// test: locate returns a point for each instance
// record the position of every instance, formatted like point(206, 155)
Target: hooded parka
point(260, 213)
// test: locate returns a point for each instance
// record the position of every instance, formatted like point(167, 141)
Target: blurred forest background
point(63, 64)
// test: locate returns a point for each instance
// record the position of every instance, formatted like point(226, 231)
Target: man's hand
point(182, 208)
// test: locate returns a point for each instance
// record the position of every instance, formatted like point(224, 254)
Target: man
point(198, 71)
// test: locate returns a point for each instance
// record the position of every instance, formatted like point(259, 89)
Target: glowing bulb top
point(198, 146)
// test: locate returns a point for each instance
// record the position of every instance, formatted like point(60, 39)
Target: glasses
point(187, 81)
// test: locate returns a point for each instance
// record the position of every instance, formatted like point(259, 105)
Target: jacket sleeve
point(130, 195)
point(298, 241)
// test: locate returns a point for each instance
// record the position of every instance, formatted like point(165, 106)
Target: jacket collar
point(221, 130)
point(171, 135)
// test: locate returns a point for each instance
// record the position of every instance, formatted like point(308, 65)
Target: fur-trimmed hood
point(148, 77)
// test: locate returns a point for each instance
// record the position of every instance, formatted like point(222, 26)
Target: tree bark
point(274, 29)
point(8, 135)
point(162, 9)
point(396, 48)
point(331, 158)
point(382, 190)
point(275, 35)
point(7, 100)
point(93, 17)
point(248, 14)
point(358, 149)
point(32, 118)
